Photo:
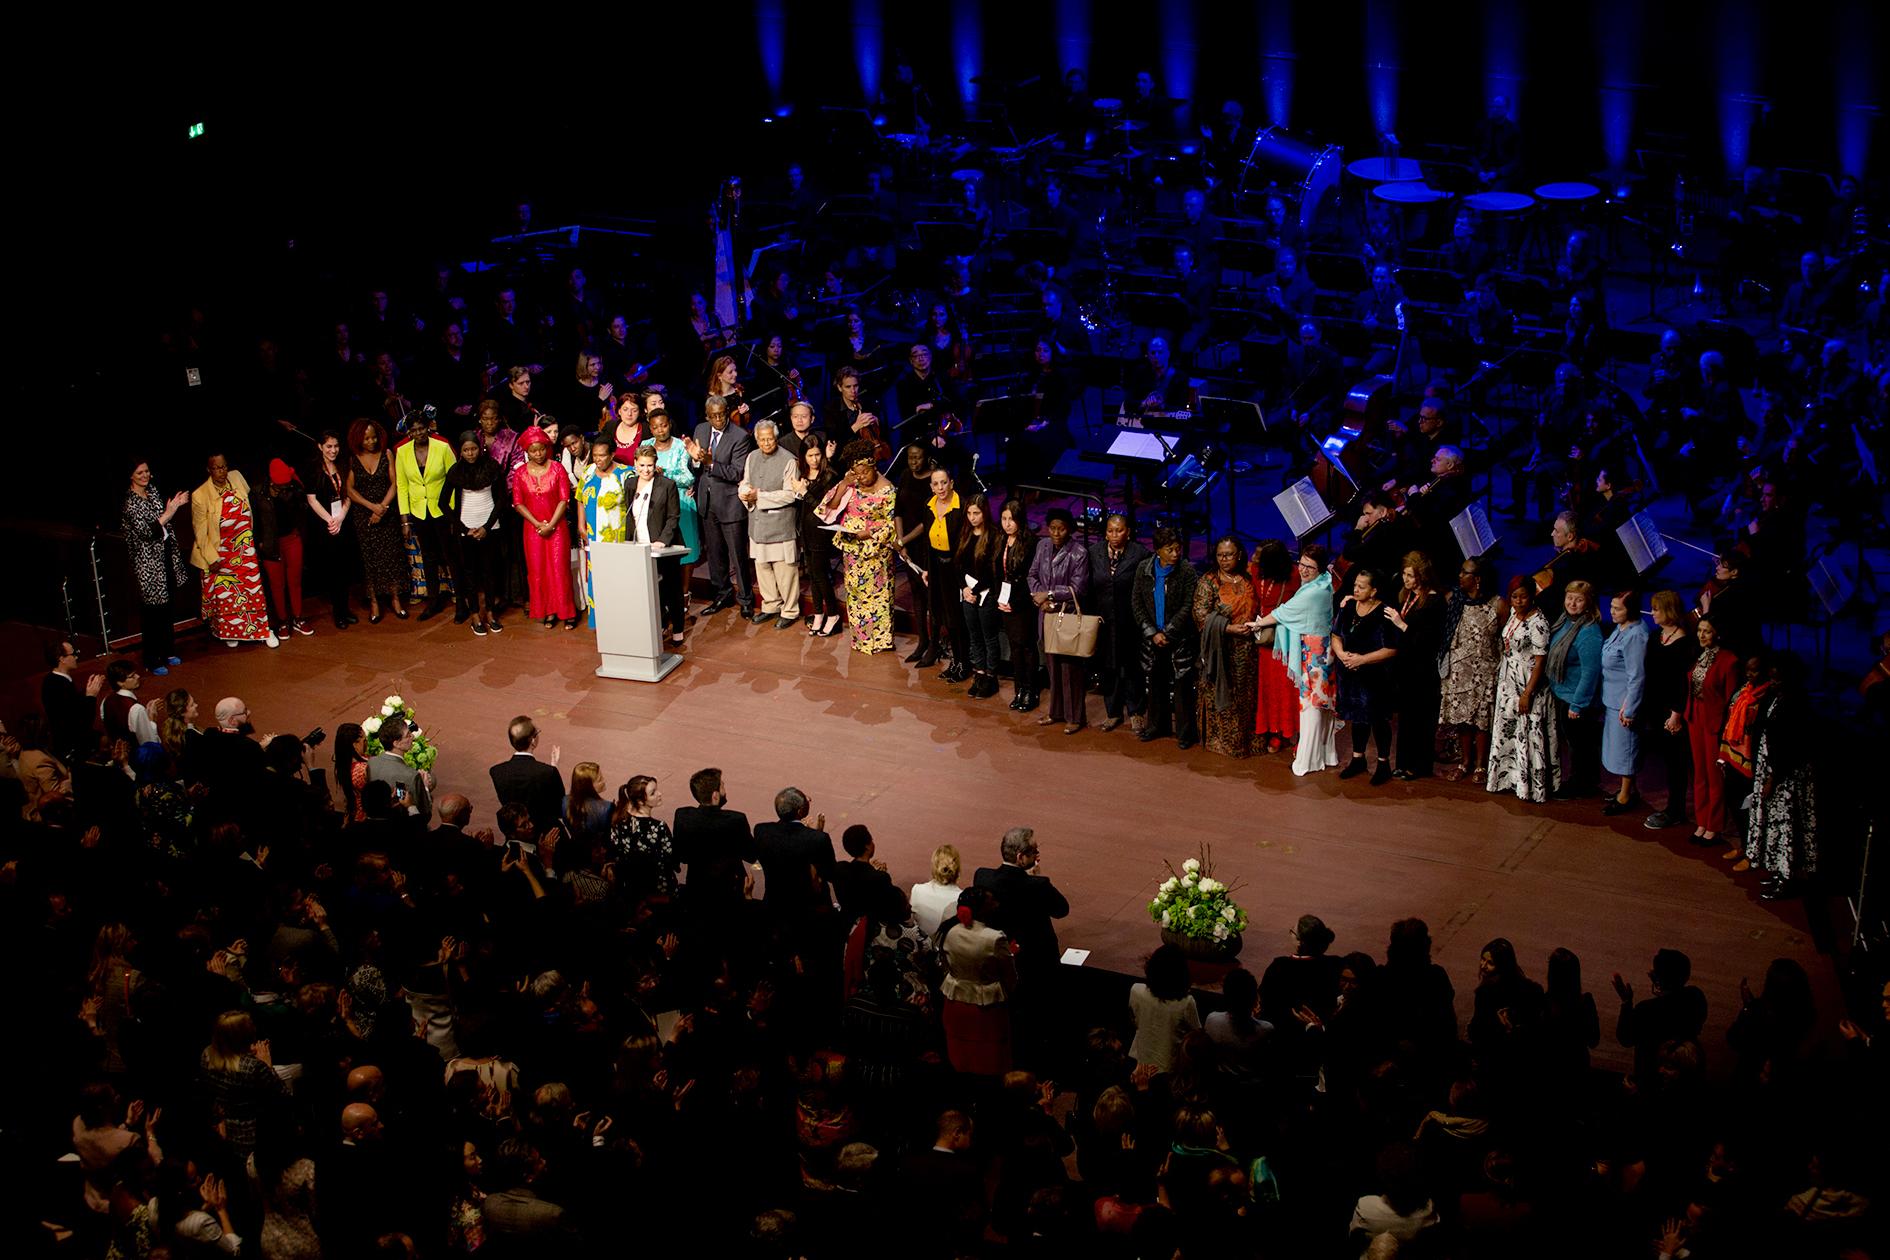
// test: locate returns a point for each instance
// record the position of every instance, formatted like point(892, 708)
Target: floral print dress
point(1522, 745)
point(1470, 668)
point(603, 506)
point(868, 568)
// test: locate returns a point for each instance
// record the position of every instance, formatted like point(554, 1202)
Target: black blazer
point(718, 490)
point(527, 781)
point(713, 842)
point(1177, 599)
point(665, 511)
point(786, 851)
point(1112, 595)
point(1026, 905)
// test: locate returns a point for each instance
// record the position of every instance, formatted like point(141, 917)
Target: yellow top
point(937, 535)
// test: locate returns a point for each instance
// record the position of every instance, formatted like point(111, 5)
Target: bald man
point(453, 847)
point(230, 763)
point(362, 1178)
point(367, 1085)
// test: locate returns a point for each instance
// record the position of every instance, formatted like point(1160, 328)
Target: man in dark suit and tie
point(71, 709)
point(527, 781)
point(713, 842)
point(722, 447)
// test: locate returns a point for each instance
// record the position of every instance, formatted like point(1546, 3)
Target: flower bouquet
point(1197, 911)
point(421, 755)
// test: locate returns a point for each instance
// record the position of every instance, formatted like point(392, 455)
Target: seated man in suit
point(1027, 902)
point(411, 786)
point(712, 843)
point(796, 860)
point(527, 781)
point(946, 1187)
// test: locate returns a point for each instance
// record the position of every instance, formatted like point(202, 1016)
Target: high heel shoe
point(832, 628)
point(400, 613)
point(1616, 806)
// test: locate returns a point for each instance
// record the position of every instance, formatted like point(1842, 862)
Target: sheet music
point(1642, 539)
point(1471, 528)
point(1305, 511)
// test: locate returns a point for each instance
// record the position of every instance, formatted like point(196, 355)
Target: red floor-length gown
point(1277, 718)
point(547, 560)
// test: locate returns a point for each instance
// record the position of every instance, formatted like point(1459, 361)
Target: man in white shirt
point(123, 714)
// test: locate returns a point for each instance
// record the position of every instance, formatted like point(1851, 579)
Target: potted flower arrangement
point(421, 755)
point(1198, 912)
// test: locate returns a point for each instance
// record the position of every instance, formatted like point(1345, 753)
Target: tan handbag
point(1071, 634)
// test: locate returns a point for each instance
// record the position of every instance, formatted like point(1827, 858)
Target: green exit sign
point(196, 130)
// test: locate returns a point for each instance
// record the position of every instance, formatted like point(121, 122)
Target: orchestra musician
point(1432, 507)
point(1197, 291)
point(1576, 559)
point(1289, 292)
point(778, 371)
point(846, 419)
point(1061, 326)
point(929, 407)
point(725, 384)
point(1314, 374)
point(1379, 539)
point(1414, 445)
point(951, 345)
point(1153, 387)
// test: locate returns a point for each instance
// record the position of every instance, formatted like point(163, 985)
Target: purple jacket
point(1064, 574)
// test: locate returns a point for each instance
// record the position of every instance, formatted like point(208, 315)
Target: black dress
point(1420, 690)
point(1369, 692)
point(383, 551)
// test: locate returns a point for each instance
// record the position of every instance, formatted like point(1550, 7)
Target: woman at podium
point(655, 516)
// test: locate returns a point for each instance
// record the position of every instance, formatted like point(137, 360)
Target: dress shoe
point(433, 610)
point(786, 623)
point(1616, 807)
point(1184, 744)
point(1149, 735)
point(1705, 842)
point(744, 612)
point(918, 652)
point(1353, 768)
point(1568, 793)
point(1017, 702)
point(929, 657)
point(717, 604)
point(1659, 820)
point(1031, 700)
point(1381, 775)
point(461, 617)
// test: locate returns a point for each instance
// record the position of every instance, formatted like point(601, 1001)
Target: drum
point(1107, 106)
point(1410, 193)
point(1382, 170)
point(1301, 171)
point(1569, 191)
point(1499, 202)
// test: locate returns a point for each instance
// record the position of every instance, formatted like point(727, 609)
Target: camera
point(314, 738)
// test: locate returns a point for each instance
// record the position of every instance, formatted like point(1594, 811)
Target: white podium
point(629, 611)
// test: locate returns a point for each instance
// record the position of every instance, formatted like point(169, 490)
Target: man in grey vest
point(772, 488)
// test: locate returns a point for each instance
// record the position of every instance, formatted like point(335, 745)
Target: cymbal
point(1131, 124)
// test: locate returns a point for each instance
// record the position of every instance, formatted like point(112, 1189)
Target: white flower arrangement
point(1193, 903)
point(421, 755)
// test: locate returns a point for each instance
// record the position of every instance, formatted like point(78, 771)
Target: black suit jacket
point(665, 511)
point(713, 842)
point(1111, 593)
point(70, 716)
point(524, 779)
point(717, 493)
point(1026, 905)
point(786, 851)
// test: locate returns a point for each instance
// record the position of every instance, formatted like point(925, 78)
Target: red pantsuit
point(1710, 686)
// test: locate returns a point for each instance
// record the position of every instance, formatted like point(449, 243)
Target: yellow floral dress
point(603, 504)
point(866, 545)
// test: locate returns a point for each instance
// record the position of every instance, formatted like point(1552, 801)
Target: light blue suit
point(1623, 675)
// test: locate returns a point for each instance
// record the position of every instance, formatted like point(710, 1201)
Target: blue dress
point(1623, 677)
point(676, 466)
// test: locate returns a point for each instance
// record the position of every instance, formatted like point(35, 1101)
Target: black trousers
point(1676, 757)
point(1582, 770)
point(946, 605)
point(1121, 677)
point(669, 590)
point(817, 575)
point(1169, 684)
point(1020, 627)
point(478, 569)
point(725, 552)
point(1378, 729)
point(430, 533)
point(1417, 723)
point(984, 627)
point(156, 626)
point(332, 558)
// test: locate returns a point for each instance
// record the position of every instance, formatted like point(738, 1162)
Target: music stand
point(1305, 512)
point(1231, 415)
point(1641, 537)
point(1005, 415)
point(1471, 528)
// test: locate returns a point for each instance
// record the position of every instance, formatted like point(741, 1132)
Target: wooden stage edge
point(873, 741)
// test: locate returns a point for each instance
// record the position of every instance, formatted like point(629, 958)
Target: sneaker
point(301, 627)
point(479, 628)
point(175, 660)
point(162, 670)
point(492, 624)
point(1658, 820)
point(272, 640)
point(229, 643)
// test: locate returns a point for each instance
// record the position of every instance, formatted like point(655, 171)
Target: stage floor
point(871, 741)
